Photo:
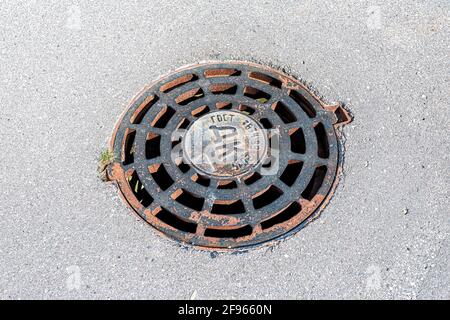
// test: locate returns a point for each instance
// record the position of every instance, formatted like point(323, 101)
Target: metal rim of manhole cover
point(227, 155)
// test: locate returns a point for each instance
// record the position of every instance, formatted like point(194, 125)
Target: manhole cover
point(226, 155)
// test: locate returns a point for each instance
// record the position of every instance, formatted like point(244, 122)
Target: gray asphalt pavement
point(69, 68)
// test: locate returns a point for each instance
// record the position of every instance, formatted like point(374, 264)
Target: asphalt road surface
point(69, 68)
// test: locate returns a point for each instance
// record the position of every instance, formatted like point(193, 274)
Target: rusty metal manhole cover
point(226, 155)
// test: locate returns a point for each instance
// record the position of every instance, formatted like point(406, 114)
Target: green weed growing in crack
point(106, 158)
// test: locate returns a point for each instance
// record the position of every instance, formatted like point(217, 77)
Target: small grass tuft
point(106, 158)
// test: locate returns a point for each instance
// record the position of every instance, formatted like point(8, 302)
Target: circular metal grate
point(255, 199)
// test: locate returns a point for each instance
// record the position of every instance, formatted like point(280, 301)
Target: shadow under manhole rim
point(238, 211)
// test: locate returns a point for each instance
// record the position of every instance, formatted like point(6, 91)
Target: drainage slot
point(226, 184)
point(298, 144)
point(128, 146)
point(269, 159)
point(246, 109)
point(189, 96)
point(138, 190)
point(140, 112)
point(266, 197)
point(283, 112)
point(267, 163)
point(228, 207)
point(152, 145)
point(323, 150)
point(175, 143)
point(163, 117)
point(201, 180)
point(259, 95)
point(265, 79)
point(255, 176)
point(222, 72)
point(291, 173)
point(287, 213)
point(188, 199)
point(224, 105)
point(174, 221)
point(183, 124)
point(266, 123)
point(223, 88)
point(182, 165)
point(229, 233)
point(200, 111)
point(303, 103)
point(315, 183)
point(161, 176)
point(177, 82)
